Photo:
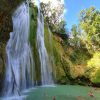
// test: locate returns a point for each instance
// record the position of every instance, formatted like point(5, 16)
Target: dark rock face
point(5, 27)
point(7, 7)
point(2, 63)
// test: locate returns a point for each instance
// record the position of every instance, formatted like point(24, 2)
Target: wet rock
point(7, 7)
point(2, 63)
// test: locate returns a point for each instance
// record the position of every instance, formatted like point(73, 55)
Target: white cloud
point(54, 3)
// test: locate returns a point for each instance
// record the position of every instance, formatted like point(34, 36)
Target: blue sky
point(74, 7)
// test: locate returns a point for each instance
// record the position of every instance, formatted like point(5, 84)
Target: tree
point(90, 24)
point(54, 16)
point(75, 32)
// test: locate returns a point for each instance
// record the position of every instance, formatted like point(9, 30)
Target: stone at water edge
point(54, 98)
point(91, 94)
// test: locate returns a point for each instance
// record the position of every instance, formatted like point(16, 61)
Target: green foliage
point(65, 65)
point(57, 51)
point(90, 24)
point(86, 42)
point(33, 23)
point(96, 78)
point(94, 67)
point(60, 28)
point(61, 69)
point(71, 65)
point(80, 56)
point(74, 31)
point(54, 50)
point(95, 61)
point(47, 39)
point(53, 17)
point(62, 64)
point(75, 40)
point(33, 41)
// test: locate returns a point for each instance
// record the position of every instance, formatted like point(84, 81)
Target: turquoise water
point(64, 92)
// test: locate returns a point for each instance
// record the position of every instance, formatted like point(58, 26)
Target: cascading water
point(19, 65)
point(46, 70)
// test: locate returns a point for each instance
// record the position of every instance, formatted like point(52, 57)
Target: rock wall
point(7, 7)
point(2, 62)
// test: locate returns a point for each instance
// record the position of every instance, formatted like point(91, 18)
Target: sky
point(73, 7)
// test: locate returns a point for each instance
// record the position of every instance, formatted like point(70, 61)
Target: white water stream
point(19, 64)
point(46, 69)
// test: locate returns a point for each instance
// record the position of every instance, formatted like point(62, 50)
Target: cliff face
point(7, 7)
point(64, 70)
point(2, 63)
point(58, 58)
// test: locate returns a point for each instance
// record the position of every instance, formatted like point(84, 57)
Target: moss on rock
point(33, 42)
point(56, 53)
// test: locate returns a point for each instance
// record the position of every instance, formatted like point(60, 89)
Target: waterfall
point(19, 64)
point(46, 69)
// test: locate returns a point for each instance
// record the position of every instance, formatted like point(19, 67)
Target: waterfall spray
point(46, 69)
point(19, 64)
